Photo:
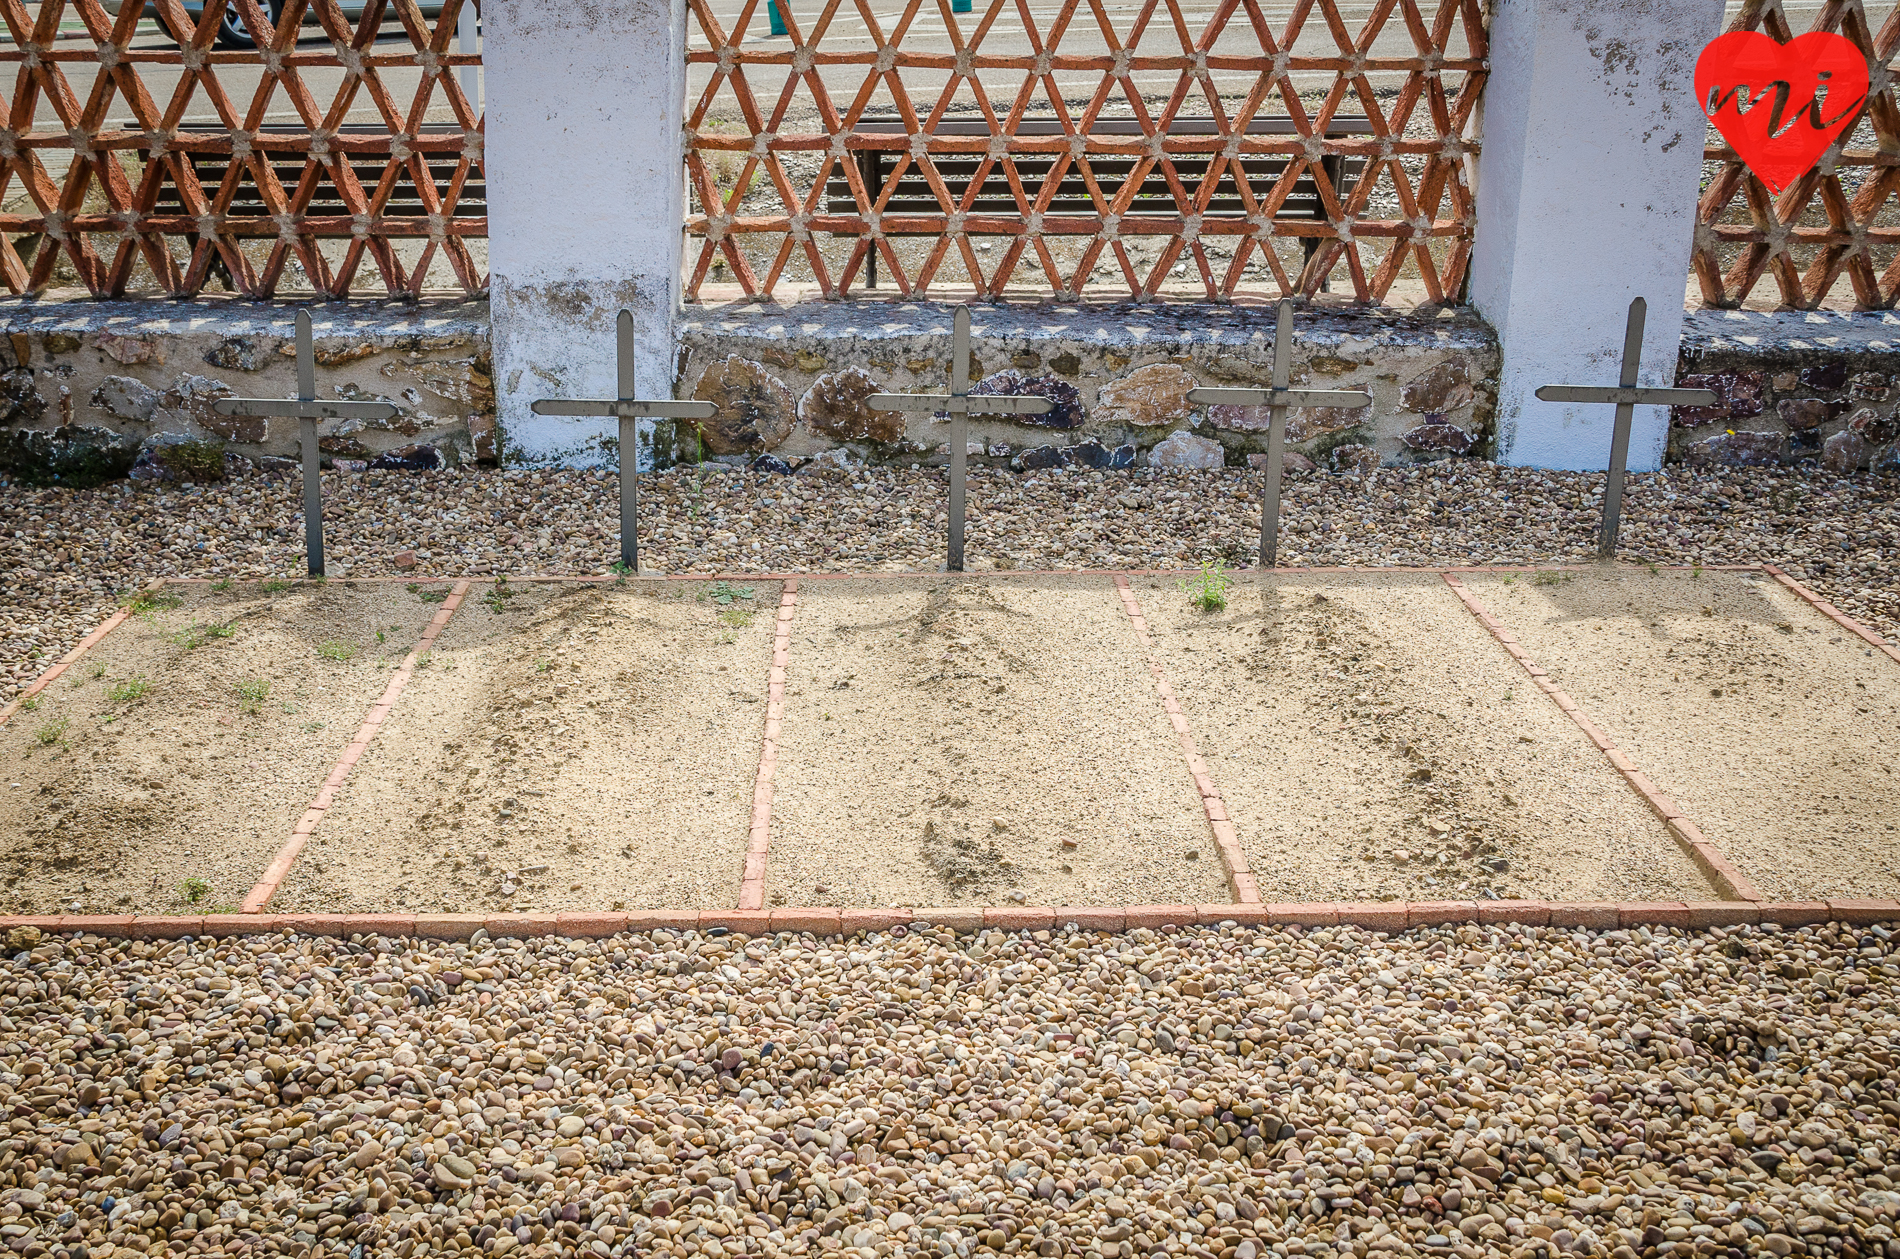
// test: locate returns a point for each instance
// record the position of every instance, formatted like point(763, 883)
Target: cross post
point(629, 410)
point(1626, 397)
point(1280, 397)
point(307, 410)
point(961, 405)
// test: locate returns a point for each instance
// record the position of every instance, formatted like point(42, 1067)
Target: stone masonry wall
point(89, 390)
point(792, 384)
point(97, 390)
point(1793, 387)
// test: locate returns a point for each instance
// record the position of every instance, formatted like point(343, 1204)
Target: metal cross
point(1627, 397)
point(629, 410)
point(1279, 398)
point(307, 410)
point(961, 405)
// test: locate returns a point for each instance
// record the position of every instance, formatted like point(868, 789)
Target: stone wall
point(88, 389)
point(1794, 387)
point(792, 383)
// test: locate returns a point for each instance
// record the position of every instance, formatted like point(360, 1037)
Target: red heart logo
point(1780, 105)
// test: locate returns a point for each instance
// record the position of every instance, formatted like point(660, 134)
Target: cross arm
point(961, 404)
point(297, 409)
point(1350, 398)
point(1629, 397)
point(627, 408)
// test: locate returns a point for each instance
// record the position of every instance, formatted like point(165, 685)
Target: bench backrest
point(913, 195)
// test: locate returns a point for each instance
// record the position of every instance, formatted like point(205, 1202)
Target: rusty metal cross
point(961, 404)
point(306, 409)
point(629, 410)
point(1280, 397)
point(1626, 397)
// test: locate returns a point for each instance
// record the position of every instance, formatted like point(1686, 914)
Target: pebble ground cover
point(66, 557)
point(1208, 1092)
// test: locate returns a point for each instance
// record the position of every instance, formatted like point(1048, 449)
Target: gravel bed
point(1208, 1092)
point(66, 557)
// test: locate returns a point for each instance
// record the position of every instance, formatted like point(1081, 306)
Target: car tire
point(232, 32)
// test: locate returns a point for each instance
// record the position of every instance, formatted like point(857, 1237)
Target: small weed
point(427, 596)
point(197, 634)
point(381, 638)
point(543, 665)
point(1510, 578)
point(336, 650)
point(194, 890)
point(130, 691)
point(1549, 577)
point(426, 659)
point(1208, 592)
point(221, 586)
point(153, 601)
point(97, 671)
point(275, 586)
point(620, 569)
point(498, 595)
point(251, 696)
point(52, 732)
point(724, 592)
point(31, 705)
point(1696, 573)
point(1653, 570)
point(738, 618)
point(311, 727)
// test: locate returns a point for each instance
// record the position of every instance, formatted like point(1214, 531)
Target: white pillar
point(585, 204)
point(1587, 189)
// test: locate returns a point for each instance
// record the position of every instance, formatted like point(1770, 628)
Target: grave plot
point(567, 747)
point(1772, 728)
point(1371, 740)
point(951, 740)
point(162, 771)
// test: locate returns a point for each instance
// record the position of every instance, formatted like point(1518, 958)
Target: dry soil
point(1371, 740)
point(1771, 727)
point(566, 747)
point(967, 741)
point(162, 772)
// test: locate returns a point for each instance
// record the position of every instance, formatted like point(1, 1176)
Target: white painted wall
point(585, 202)
point(1587, 187)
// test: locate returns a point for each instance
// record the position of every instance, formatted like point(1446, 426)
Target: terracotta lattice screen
point(136, 162)
point(1833, 236)
point(1209, 149)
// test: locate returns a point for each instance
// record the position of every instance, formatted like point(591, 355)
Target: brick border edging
point(759, 834)
point(1233, 857)
point(1726, 878)
point(1389, 916)
point(1833, 613)
point(71, 658)
point(279, 868)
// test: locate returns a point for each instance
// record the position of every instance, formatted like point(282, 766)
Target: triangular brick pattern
point(991, 113)
point(1835, 228)
point(149, 207)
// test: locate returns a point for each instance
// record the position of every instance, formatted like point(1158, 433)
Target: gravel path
point(1208, 1093)
point(66, 557)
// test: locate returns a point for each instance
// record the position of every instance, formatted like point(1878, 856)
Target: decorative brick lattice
point(159, 168)
point(1839, 221)
point(1001, 126)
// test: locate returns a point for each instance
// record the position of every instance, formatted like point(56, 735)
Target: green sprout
point(251, 695)
point(1208, 592)
point(336, 650)
point(130, 691)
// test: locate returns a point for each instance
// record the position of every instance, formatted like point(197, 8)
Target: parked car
point(231, 29)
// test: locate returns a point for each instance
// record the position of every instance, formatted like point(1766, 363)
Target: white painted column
point(1587, 188)
point(586, 198)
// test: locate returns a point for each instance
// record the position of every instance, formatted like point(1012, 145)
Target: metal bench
point(913, 194)
point(404, 201)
